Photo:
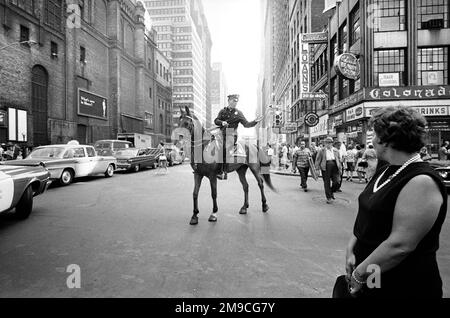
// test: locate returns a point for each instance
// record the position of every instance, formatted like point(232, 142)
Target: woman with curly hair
point(400, 216)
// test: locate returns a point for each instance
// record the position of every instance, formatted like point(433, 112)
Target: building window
point(53, 13)
point(148, 120)
point(433, 66)
point(161, 124)
point(433, 14)
point(343, 35)
point(390, 61)
point(389, 15)
point(150, 93)
point(53, 50)
point(334, 90)
point(344, 88)
point(355, 33)
point(26, 5)
point(82, 54)
point(24, 35)
point(333, 51)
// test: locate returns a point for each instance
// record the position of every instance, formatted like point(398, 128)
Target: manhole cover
point(338, 200)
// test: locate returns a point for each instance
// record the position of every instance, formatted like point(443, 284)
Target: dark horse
point(210, 170)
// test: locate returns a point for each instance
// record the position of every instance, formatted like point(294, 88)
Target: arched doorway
point(39, 107)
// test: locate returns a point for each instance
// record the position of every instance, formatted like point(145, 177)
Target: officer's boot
point(223, 172)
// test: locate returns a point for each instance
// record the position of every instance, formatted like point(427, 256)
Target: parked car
point(110, 147)
point(67, 162)
point(443, 168)
point(19, 185)
point(134, 159)
point(173, 154)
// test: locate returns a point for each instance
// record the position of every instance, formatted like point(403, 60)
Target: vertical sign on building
point(305, 60)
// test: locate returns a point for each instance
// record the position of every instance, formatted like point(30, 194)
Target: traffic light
point(278, 118)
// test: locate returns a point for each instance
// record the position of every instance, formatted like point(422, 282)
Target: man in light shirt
point(328, 160)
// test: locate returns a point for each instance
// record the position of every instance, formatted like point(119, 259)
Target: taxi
point(68, 162)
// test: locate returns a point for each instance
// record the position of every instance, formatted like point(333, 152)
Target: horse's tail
point(265, 164)
point(268, 181)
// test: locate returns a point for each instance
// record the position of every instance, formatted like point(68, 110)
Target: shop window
point(433, 66)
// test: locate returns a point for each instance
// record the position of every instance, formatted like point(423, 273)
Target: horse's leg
point(241, 172)
point(198, 181)
point(213, 182)
point(256, 169)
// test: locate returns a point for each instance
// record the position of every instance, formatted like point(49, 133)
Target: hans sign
point(354, 113)
point(347, 65)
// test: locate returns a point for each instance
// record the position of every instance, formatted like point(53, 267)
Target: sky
point(235, 27)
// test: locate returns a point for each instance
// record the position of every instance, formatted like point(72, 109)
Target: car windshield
point(102, 145)
point(49, 152)
point(127, 152)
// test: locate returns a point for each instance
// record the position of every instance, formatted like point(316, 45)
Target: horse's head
point(186, 120)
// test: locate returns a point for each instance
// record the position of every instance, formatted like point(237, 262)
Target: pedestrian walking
point(162, 159)
point(301, 162)
point(443, 151)
point(313, 148)
point(400, 215)
point(285, 159)
point(340, 146)
point(424, 155)
point(328, 161)
point(370, 156)
point(361, 164)
point(270, 153)
point(350, 160)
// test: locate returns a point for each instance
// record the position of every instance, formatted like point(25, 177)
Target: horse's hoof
point(265, 208)
point(212, 218)
point(194, 220)
point(243, 211)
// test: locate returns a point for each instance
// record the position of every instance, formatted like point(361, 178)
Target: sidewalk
point(288, 172)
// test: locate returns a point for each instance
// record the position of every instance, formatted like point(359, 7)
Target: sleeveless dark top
point(418, 274)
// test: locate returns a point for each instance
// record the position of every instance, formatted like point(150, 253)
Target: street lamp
point(29, 42)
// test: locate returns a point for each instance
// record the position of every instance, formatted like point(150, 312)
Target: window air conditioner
point(433, 24)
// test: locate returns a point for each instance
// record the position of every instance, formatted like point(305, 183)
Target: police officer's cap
point(234, 96)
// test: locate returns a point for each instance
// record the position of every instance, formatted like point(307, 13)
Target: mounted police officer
point(228, 120)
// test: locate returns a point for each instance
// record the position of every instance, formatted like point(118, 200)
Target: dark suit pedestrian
point(329, 162)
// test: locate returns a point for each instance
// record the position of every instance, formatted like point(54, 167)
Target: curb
point(289, 174)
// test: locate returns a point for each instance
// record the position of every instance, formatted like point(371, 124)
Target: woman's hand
point(356, 286)
point(350, 263)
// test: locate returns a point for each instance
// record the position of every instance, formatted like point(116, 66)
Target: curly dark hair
point(402, 128)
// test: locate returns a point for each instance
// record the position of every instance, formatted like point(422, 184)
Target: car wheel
point(25, 205)
point(136, 168)
point(109, 172)
point(66, 177)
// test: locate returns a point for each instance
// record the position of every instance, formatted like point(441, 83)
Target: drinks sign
point(347, 65)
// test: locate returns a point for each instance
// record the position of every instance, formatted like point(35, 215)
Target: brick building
point(94, 72)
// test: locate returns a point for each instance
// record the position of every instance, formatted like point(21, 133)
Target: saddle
point(233, 150)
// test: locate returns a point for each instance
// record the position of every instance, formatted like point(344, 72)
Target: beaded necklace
point(376, 188)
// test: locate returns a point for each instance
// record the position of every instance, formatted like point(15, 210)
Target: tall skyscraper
point(219, 90)
point(184, 38)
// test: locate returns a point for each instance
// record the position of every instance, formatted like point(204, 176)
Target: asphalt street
point(130, 237)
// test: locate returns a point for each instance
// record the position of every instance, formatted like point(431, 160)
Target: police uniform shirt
point(233, 117)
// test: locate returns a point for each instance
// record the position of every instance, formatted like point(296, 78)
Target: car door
point(83, 166)
point(99, 164)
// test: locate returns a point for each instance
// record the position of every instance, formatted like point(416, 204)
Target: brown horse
point(209, 168)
